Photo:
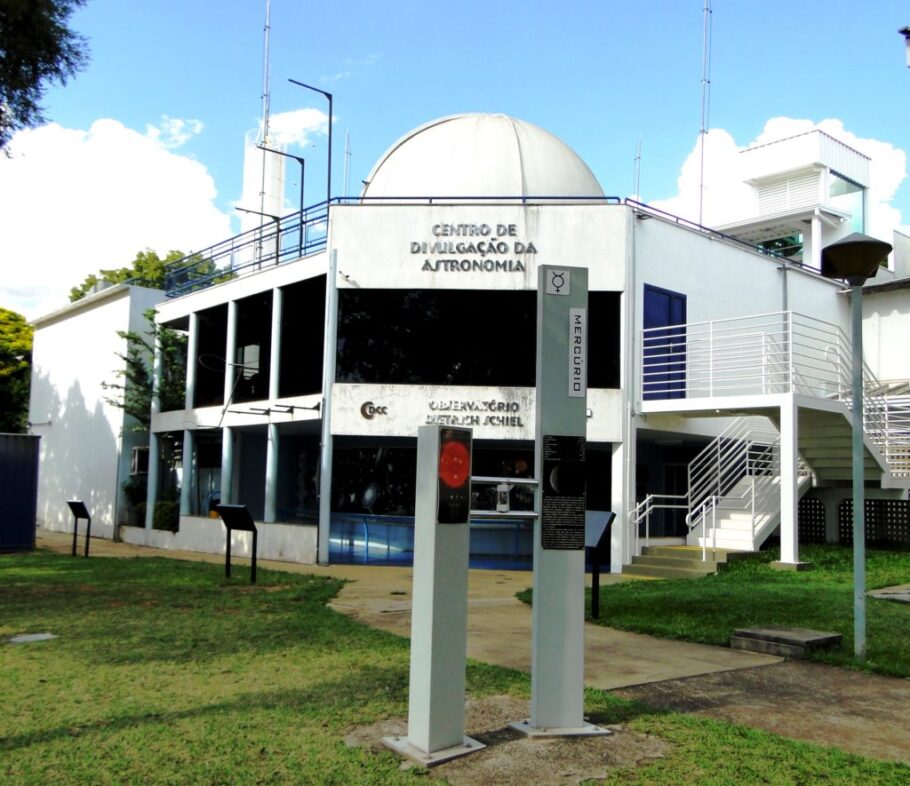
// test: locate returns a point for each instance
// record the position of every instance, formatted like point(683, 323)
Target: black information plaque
point(562, 514)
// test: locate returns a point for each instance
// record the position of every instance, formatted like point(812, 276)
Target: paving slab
point(899, 593)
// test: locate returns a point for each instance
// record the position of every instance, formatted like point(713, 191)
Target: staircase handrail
point(642, 512)
point(700, 515)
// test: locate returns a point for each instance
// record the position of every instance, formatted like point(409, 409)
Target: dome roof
point(480, 155)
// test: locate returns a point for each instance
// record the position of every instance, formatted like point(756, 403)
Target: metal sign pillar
point(439, 609)
point(557, 654)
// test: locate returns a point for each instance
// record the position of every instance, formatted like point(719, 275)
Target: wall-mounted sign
point(369, 410)
point(474, 248)
point(471, 412)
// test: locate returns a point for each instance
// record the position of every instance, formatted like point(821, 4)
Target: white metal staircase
point(733, 498)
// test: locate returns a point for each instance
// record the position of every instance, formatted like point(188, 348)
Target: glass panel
point(847, 196)
point(436, 337)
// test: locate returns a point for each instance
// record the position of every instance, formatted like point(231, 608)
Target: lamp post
point(277, 220)
point(905, 32)
point(854, 259)
point(302, 162)
point(328, 187)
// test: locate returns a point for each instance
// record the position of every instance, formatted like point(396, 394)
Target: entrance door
point(664, 355)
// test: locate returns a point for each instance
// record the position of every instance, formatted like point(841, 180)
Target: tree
point(37, 46)
point(135, 390)
point(134, 395)
point(15, 371)
point(147, 267)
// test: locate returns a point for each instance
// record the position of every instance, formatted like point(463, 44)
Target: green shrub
point(167, 516)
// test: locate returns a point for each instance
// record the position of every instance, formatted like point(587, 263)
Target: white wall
point(721, 280)
point(886, 330)
point(286, 542)
point(75, 353)
point(395, 246)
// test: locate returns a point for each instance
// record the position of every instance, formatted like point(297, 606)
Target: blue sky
point(600, 75)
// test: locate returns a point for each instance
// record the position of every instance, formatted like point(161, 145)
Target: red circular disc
point(454, 464)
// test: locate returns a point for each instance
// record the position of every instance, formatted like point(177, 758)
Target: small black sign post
point(597, 542)
point(238, 517)
point(77, 506)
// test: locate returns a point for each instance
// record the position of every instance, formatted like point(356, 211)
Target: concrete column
point(271, 474)
point(272, 448)
point(189, 474)
point(816, 261)
point(227, 464)
point(151, 496)
point(230, 353)
point(192, 350)
point(789, 496)
point(275, 352)
point(621, 538)
point(326, 448)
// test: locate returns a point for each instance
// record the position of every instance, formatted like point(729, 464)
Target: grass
point(748, 593)
point(163, 672)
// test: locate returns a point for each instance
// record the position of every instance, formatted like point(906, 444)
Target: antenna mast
point(705, 101)
point(636, 185)
point(265, 75)
point(347, 160)
point(265, 108)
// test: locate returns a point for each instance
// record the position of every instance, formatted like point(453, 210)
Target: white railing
point(738, 471)
point(642, 513)
point(897, 448)
point(780, 352)
point(701, 513)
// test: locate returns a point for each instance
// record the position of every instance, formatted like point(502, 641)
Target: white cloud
point(727, 198)
point(297, 126)
point(75, 201)
point(174, 132)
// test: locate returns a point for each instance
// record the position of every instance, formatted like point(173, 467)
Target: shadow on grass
point(338, 698)
point(141, 611)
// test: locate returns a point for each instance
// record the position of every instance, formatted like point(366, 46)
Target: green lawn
point(747, 593)
point(165, 673)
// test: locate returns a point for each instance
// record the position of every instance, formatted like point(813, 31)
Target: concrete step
point(689, 563)
point(783, 641)
point(678, 562)
point(687, 552)
point(663, 572)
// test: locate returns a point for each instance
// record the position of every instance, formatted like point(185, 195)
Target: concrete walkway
point(499, 625)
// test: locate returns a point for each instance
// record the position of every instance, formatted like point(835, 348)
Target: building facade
point(316, 351)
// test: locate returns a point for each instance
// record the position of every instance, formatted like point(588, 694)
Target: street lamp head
point(854, 258)
point(905, 32)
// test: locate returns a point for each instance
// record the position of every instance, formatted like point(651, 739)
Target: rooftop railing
point(301, 233)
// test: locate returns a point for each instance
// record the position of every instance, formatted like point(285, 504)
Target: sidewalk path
point(862, 713)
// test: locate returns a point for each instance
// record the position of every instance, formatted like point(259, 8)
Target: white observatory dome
point(480, 155)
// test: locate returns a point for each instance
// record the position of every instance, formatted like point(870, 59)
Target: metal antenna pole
point(705, 98)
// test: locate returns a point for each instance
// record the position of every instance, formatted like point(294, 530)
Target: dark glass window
point(604, 351)
point(302, 336)
point(436, 337)
point(374, 477)
point(253, 348)
point(210, 365)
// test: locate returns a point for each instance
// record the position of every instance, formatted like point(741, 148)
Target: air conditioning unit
point(139, 461)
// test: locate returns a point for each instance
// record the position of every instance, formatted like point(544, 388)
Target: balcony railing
point(765, 354)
